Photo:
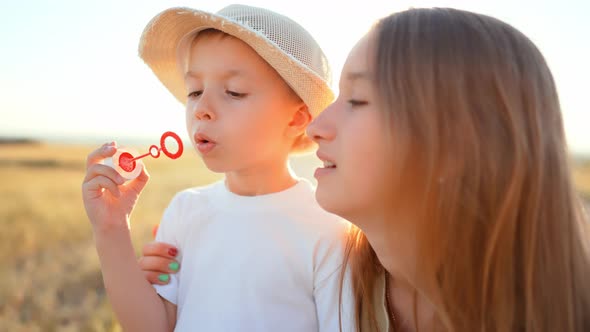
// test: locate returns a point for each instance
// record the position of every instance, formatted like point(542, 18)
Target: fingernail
point(164, 277)
point(120, 179)
point(173, 252)
point(174, 266)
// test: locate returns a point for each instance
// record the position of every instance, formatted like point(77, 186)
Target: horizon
point(135, 140)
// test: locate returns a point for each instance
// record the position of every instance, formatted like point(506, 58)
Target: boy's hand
point(107, 198)
point(158, 262)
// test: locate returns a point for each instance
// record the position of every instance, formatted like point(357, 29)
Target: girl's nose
point(322, 128)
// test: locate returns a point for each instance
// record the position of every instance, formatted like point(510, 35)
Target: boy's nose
point(204, 111)
point(204, 115)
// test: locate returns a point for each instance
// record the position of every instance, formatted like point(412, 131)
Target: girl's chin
point(328, 201)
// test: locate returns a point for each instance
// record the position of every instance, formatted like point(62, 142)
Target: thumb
point(139, 183)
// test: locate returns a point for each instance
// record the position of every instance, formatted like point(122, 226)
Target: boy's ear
point(300, 119)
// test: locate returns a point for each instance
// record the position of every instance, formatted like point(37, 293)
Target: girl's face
point(351, 138)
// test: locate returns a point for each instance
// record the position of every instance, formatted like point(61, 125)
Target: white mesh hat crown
point(282, 42)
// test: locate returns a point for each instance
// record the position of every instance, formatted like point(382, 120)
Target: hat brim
point(164, 34)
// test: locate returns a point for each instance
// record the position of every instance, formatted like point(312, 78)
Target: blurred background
point(70, 80)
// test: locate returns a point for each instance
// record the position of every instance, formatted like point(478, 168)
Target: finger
point(109, 172)
point(97, 184)
point(160, 249)
point(105, 151)
point(157, 278)
point(140, 181)
point(158, 264)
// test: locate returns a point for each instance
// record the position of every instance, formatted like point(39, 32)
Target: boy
point(257, 251)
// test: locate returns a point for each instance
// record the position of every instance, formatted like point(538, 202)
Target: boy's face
point(238, 107)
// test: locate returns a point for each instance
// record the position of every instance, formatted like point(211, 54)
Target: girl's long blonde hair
point(476, 131)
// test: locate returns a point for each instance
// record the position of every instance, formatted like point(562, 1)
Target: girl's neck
point(260, 180)
point(413, 312)
point(396, 252)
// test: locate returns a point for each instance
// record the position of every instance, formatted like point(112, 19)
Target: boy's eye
point(357, 103)
point(235, 94)
point(195, 94)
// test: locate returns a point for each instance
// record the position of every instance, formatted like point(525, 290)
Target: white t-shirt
point(255, 263)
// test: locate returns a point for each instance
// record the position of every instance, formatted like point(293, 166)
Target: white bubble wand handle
point(125, 164)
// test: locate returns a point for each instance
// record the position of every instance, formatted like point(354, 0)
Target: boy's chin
point(216, 166)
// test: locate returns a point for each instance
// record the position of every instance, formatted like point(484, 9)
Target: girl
point(446, 148)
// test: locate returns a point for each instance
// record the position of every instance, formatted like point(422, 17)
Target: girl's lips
point(322, 171)
point(329, 166)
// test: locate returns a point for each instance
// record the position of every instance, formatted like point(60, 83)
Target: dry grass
point(49, 273)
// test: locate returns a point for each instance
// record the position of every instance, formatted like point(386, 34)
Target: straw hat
point(283, 43)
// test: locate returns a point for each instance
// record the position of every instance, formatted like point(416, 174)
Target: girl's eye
point(235, 94)
point(195, 94)
point(357, 103)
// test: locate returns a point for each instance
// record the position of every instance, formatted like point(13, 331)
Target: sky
point(70, 70)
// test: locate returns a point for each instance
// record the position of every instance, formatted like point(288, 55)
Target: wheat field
point(49, 273)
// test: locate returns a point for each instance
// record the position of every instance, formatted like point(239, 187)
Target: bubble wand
point(129, 167)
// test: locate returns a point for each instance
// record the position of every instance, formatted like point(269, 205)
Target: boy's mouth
point(204, 143)
point(202, 139)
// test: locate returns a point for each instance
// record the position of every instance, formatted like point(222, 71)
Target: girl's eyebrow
point(358, 75)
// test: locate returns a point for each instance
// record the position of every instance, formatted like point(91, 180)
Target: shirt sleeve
point(168, 233)
point(331, 312)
